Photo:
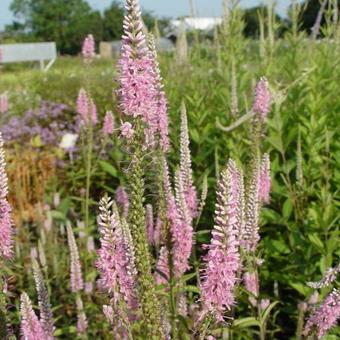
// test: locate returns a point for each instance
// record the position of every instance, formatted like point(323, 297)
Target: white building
point(190, 24)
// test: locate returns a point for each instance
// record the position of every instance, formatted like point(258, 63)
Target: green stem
point(88, 175)
point(147, 291)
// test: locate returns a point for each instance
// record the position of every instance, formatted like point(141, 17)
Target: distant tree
point(252, 22)
point(66, 22)
point(113, 17)
point(112, 22)
point(310, 14)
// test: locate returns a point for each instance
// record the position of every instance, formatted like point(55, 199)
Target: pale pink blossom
point(180, 224)
point(115, 261)
point(86, 108)
point(6, 225)
point(108, 125)
point(222, 261)
point(31, 328)
point(325, 316)
point(88, 49)
point(160, 99)
point(122, 200)
point(83, 105)
point(126, 130)
point(251, 282)
point(4, 102)
point(76, 275)
point(265, 180)
point(190, 192)
point(262, 98)
point(94, 114)
point(162, 273)
point(137, 78)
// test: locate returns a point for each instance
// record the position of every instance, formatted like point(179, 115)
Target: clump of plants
point(146, 276)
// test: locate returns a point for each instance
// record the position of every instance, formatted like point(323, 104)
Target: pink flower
point(122, 200)
point(6, 225)
point(46, 316)
point(115, 261)
point(77, 282)
point(325, 316)
point(88, 50)
point(31, 327)
point(4, 103)
point(137, 78)
point(251, 282)
point(83, 105)
point(126, 130)
point(86, 108)
point(265, 180)
point(162, 273)
point(82, 323)
point(160, 99)
point(180, 220)
point(329, 277)
point(223, 259)
point(190, 192)
point(94, 115)
point(108, 126)
point(262, 98)
point(250, 231)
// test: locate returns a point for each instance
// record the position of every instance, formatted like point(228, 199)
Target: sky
point(162, 8)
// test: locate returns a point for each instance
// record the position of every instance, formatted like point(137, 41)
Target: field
point(55, 192)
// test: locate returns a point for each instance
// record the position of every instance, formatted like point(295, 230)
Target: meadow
point(57, 192)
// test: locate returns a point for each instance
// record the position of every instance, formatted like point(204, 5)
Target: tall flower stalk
point(6, 226)
point(87, 111)
point(222, 262)
point(257, 193)
point(46, 316)
point(6, 239)
point(137, 98)
point(31, 327)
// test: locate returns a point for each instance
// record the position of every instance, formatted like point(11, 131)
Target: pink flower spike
point(190, 192)
point(265, 180)
point(83, 105)
point(162, 268)
point(6, 225)
point(137, 90)
point(88, 50)
point(126, 130)
point(262, 98)
point(222, 261)
point(94, 115)
point(122, 199)
point(108, 125)
point(4, 102)
point(325, 316)
point(77, 282)
point(251, 283)
point(31, 327)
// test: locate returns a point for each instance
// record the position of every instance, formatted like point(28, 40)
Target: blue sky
point(169, 8)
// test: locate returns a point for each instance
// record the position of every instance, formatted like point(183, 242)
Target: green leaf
point(245, 323)
point(266, 313)
point(287, 208)
point(58, 215)
point(315, 240)
point(109, 169)
point(192, 289)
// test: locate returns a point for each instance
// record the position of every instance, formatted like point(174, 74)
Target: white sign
point(13, 53)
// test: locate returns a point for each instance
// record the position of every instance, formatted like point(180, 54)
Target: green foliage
point(65, 22)
point(299, 228)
